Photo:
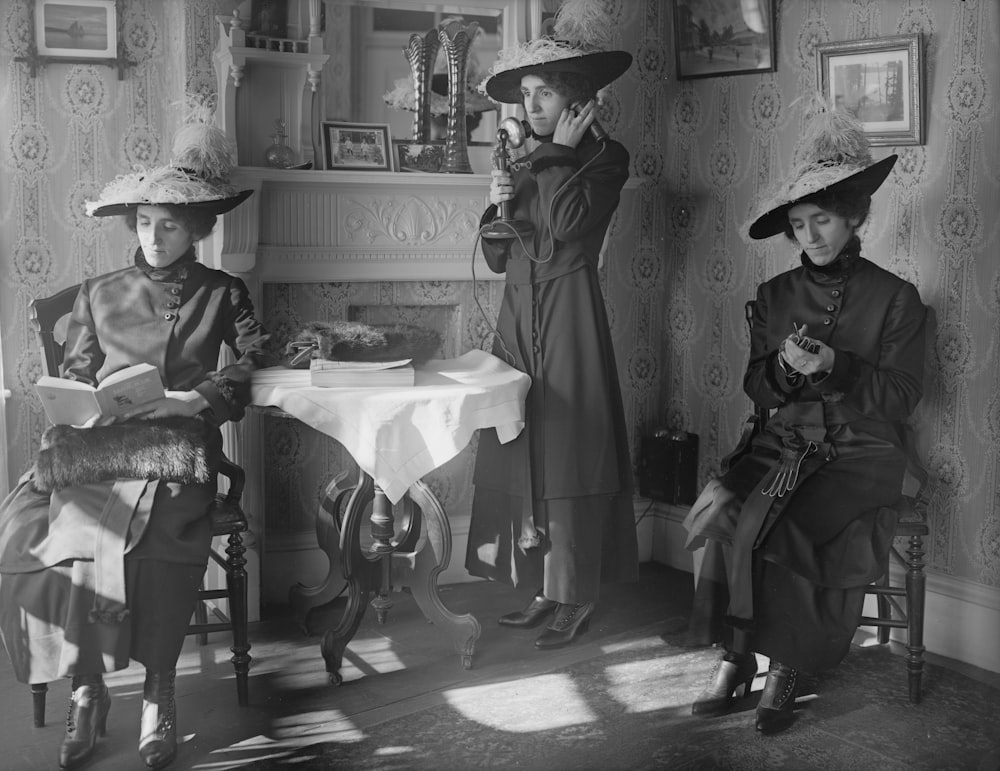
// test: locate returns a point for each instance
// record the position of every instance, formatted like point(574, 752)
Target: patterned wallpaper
point(934, 222)
point(677, 272)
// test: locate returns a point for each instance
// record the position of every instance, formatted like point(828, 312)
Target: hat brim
point(601, 67)
point(864, 182)
point(216, 206)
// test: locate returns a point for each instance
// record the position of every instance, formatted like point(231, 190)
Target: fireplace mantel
point(315, 226)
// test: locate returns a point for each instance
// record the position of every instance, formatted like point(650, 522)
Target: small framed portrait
point(715, 38)
point(76, 29)
point(412, 156)
point(880, 82)
point(357, 146)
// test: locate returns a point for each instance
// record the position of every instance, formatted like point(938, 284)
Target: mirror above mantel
point(344, 225)
point(366, 41)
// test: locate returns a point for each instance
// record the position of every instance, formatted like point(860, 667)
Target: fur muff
point(354, 341)
point(172, 449)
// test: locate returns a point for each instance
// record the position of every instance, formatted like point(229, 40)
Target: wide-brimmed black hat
point(197, 178)
point(578, 44)
point(153, 195)
point(600, 68)
point(836, 158)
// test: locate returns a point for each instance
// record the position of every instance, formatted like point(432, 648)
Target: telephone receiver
point(595, 129)
point(518, 130)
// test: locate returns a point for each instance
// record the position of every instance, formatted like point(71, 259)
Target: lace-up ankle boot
point(87, 719)
point(733, 673)
point(570, 622)
point(775, 711)
point(158, 724)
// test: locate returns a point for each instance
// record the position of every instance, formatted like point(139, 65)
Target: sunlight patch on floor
point(289, 735)
point(375, 655)
point(650, 684)
point(525, 705)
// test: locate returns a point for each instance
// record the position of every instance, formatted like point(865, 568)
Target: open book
point(71, 402)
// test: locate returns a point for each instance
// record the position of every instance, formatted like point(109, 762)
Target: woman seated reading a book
point(101, 558)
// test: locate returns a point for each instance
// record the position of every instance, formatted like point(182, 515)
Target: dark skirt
point(809, 554)
point(46, 618)
point(585, 542)
point(48, 633)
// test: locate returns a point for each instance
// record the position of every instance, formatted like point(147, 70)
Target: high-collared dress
point(804, 514)
point(178, 319)
point(554, 507)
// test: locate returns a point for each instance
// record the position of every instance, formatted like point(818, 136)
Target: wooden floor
point(401, 668)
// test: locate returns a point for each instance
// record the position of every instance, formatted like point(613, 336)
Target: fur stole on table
point(354, 341)
point(173, 449)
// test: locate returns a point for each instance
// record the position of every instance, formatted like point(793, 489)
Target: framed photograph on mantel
point(713, 38)
point(357, 146)
point(880, 82)
point(76, 29)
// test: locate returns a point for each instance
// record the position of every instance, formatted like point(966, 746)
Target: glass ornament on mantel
point(278, 154)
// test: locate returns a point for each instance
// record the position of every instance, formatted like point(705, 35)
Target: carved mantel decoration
point(303, 226)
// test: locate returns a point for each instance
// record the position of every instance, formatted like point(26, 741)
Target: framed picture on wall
point(879, 81)
point(357, 146)
point(76, 29)
point(713, 38)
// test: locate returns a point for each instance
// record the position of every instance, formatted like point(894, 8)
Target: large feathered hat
point(197, 176)
point(835, 157)
point(580, 34)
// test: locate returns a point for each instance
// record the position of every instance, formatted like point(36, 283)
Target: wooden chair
point(898, 607)
point(228, 519)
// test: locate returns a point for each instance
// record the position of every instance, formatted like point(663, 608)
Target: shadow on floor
point(618, 698)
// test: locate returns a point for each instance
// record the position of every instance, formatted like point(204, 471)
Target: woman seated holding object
point(837, 353)
point(106, 568)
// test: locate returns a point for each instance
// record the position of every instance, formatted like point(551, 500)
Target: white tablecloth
point(397, 435)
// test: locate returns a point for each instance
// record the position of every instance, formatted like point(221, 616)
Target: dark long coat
point(572, 461)
point(178, 319)
point(837, 442)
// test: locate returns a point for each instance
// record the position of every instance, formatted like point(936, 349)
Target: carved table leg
point(433, 556)
point(360, 575)
point(328, 525)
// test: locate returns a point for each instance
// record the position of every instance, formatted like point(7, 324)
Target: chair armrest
point(237, 478)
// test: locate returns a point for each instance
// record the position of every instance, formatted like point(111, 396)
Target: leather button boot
point(570, 622)
point(158, 723)
point(537, 611)
point(777, 702)
point(87, 719)
point(734, 672)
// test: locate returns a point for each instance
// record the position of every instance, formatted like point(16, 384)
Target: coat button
point(536, 349)
point(827, 321)
point(835, 293)
point(831, 308)
point(168, 316)
point(175, 290)
point(174, 304)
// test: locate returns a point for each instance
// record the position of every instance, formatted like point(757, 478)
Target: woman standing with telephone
point(553, 508)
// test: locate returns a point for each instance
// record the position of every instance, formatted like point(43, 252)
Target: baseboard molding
point(961, 617)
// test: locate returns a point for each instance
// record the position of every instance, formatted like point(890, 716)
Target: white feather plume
point(585, 23)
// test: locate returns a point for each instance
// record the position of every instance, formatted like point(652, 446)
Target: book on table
point(73, 402)
point(361, 374)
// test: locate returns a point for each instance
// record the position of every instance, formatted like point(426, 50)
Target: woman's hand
point(501, 187)
point(573, 125)
point(182, 403)
point(805, 355)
